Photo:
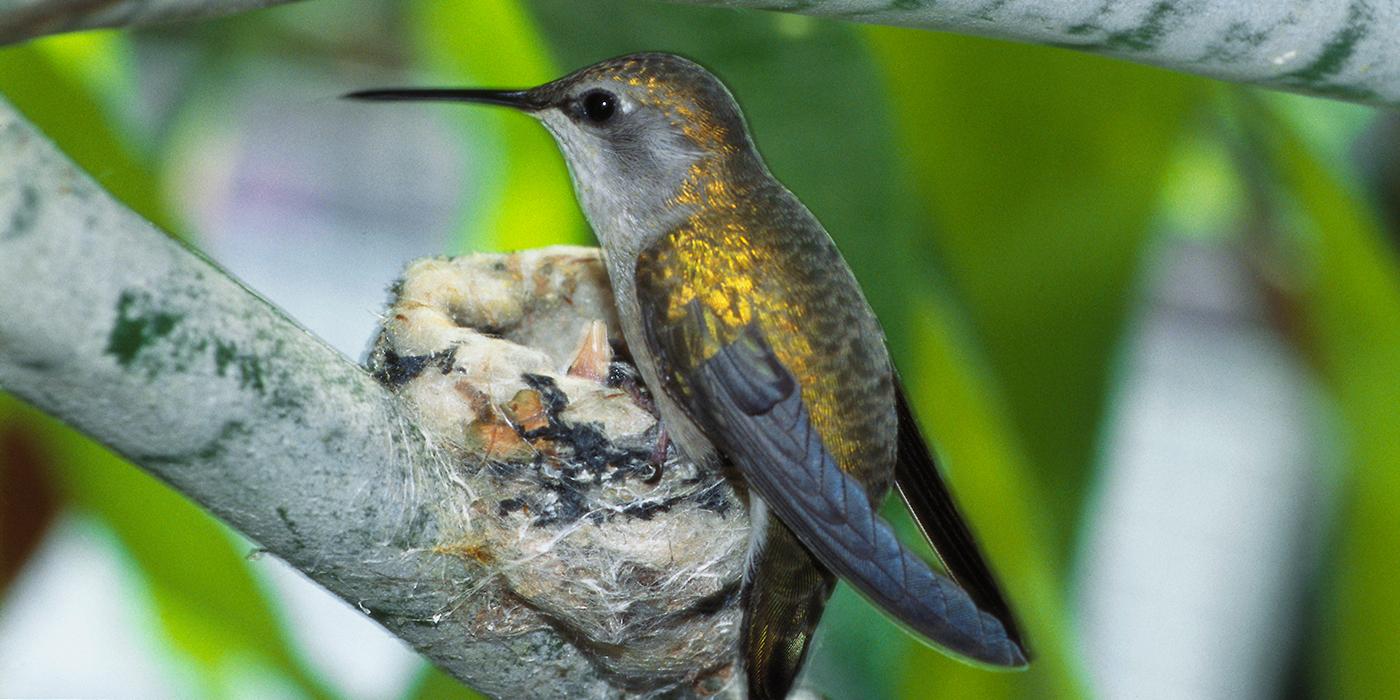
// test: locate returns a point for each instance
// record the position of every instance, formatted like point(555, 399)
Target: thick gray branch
point(137, 341)
point(26, 19)
point(1346, 49)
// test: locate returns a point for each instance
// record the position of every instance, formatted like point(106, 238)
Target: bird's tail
point(784, 595)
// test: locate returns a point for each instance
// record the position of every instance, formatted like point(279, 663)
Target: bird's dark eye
point(599, 106)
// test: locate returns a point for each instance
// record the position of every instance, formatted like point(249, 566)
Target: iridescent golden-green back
point(754, 258)
point(752, 277)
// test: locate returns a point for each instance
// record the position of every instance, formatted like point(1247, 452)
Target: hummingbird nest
point(568, 518)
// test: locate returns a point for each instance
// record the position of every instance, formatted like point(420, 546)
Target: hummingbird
point(763, 357)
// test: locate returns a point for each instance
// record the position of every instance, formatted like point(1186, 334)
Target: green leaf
point(1347, 298)
point(988, 466)
point(433, 684)
point(69, 87)
point(528, 201)
point(1038, 171)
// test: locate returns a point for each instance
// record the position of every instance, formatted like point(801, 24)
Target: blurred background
point(1151, 322)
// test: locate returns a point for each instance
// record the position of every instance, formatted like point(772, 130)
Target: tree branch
point(1344, 49)
point(27, 19)
point(378, 495)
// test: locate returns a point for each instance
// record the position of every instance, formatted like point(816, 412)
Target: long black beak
point(519, 99)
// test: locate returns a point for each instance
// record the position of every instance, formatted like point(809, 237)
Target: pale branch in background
point(1345, 49)
point(26, 19)
point(491, 504)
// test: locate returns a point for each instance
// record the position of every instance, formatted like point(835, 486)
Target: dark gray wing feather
point(758, 417)
point(931, 503)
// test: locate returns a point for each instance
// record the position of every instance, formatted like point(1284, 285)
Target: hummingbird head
point(648, 137)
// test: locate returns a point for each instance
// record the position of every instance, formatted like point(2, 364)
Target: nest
point(567, 515)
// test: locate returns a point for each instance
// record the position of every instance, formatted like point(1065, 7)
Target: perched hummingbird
point(762, 353)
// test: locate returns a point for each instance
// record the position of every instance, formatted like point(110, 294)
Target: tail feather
point(785, 595)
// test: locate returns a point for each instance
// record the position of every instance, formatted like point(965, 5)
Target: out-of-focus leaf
point(100, 62)
point(1038, 170)
point(493, 43)
point(433, 684)
point(987, 464)
point(1348, 311)
point(27, 501)
point(209, 603)
point(45, 80)
point(1204, 197)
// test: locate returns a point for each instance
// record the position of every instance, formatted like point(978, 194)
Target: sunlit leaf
point(47, 82)
point(529, 200)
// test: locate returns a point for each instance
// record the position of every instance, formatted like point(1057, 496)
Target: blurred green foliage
point(496, 43)
point(1348, 319)
point(998, 202)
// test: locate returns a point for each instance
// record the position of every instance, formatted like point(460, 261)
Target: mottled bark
point(1345, 49)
